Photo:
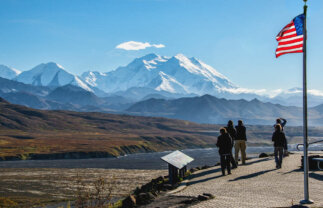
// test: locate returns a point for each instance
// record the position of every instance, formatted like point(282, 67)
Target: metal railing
point(297, 146)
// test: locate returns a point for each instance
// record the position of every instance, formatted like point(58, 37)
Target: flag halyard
point(290, 38)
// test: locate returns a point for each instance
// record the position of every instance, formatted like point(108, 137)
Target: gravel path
point(256, 184)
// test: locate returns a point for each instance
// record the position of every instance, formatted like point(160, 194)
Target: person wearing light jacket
point(240, 142)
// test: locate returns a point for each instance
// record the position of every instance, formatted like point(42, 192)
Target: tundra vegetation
point(27, 133)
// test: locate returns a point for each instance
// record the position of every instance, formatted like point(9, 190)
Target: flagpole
point(305, 141)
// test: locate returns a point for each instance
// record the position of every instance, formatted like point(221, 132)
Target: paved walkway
point(256, 184)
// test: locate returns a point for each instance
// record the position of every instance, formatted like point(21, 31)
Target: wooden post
point(170, 173)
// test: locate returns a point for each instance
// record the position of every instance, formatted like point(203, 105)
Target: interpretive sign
point(177, 159)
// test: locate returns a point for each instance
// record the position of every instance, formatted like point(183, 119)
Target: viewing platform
point(256, 184)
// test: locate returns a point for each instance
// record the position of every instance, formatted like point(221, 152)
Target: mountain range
point(175, 87)
point(154, 76)
point(209, 109)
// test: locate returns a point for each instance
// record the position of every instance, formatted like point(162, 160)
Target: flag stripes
point(290, 38)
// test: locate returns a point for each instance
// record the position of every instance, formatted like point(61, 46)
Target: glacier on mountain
point(177, 74)
point(51, 75)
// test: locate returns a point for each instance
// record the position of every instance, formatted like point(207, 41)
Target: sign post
point(176, 161)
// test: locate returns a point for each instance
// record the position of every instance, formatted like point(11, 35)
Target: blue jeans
point(279, 156)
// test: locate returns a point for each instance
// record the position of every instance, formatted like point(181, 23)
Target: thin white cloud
point(316, 92)
point(244, 90)
point(158, 45)
point(134, 45)
point(272, 93)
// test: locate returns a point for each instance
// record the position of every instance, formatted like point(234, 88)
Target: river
point(206, 156)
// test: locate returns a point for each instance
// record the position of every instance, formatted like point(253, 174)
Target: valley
point(27, 133)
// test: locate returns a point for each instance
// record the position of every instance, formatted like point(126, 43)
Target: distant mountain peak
point(255, 100)
point(294, 90)
point(8, 72)
point(50, 66)
point(149, 56)
point(51, 63)
point(50, 74)
point(177, 75)
point(180, 56)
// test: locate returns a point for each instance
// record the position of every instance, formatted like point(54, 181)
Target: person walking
point(233, 134)
point(279, 140)
point(225, 147)
point(240, 142)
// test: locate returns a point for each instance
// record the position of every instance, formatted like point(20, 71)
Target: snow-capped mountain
point(154, 76)
point(8, 72)
point(51, 75)
point(178, 74)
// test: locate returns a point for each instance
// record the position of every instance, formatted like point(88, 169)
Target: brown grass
point(25, 131)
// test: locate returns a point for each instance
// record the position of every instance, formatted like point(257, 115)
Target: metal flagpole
point(305, 143)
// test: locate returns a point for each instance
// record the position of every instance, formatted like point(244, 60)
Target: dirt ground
point(39, 186)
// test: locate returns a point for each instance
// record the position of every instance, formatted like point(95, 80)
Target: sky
point(235, 37)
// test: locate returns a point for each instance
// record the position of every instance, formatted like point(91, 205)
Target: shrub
point(96, 195)
point(6, 202)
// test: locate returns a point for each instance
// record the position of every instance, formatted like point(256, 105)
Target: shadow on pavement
point(219, 169)
point(256, 161)
point(252, 175)
point(198, 175)
point(204, 173)
point(316, 176)
point(203, 180)
point(292, 171)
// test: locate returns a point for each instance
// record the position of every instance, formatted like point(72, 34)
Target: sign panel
point(177, 159)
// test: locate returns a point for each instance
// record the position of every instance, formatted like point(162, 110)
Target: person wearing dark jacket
point(282, 123)
point(225, 150)
point(233, 134)
point(240, 142)
point(279, 140)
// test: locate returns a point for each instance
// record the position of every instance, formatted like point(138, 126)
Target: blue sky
point(235, 37)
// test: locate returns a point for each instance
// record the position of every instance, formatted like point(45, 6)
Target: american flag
point(290, 38)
